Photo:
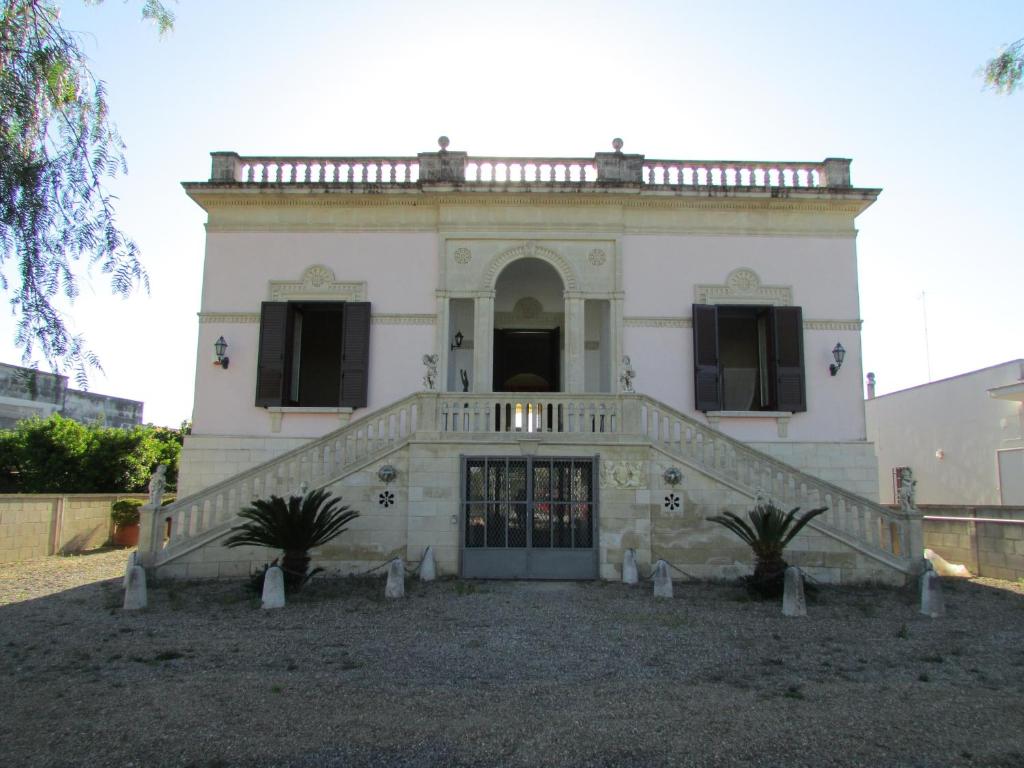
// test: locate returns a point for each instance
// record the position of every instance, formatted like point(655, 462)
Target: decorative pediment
point(743, 286)
point(318, 283)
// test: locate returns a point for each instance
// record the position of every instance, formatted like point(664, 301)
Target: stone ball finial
point(617, 145)
point(442, 142)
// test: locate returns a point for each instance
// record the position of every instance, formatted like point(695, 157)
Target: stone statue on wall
point(465, 379)
point(627, 375)
point(157, 484)
point(906, 490)
point(430, 377)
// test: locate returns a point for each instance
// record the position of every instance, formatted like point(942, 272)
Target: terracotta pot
point(126, 535)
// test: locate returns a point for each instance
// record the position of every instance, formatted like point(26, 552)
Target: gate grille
point(529, 517)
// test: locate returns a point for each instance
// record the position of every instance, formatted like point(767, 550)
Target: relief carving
point(622, 474)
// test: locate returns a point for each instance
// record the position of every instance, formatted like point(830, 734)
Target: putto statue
point(430, 377)
point(906, 490)
point(157, 484)
point(627, 375)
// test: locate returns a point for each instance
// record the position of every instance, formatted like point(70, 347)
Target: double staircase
point(891, 538)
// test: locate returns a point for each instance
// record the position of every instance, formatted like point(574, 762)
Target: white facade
point(549, 272)
point(963, 437)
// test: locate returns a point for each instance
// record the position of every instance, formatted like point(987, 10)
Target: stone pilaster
point(483, 342)
point(573, 375)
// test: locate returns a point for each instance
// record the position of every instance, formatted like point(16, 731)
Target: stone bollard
point(273, 588)
point(396, 579)
point(793, 603)
point(662, 580)
point(135, 592)
point(133, 560)
point(932, 603)
point(428, 568)
point(630, 575)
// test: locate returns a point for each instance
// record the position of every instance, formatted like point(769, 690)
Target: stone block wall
point(852, 466)
point(992, 545)
point(37, 525)
point(207, 460)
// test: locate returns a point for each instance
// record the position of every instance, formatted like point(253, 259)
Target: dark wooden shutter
point(355, 354)
point(706, 380)
point(273, 343)
point(788, 343)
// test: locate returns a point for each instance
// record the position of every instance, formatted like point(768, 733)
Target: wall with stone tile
point(638, 509)
point(991, 545)
point(37, 525)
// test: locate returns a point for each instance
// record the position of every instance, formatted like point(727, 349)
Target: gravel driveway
point(462, 673)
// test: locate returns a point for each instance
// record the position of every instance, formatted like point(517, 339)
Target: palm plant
point(295, 526)
point(768, 532)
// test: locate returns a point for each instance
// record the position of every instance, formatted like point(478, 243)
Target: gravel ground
point(487, 673)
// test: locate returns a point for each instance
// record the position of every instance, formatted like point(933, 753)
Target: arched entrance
point(529, 318)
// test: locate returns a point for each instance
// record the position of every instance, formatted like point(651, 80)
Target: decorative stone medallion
point(743, 280)
point(597, 257)
point(527, 308)
point(463, 255)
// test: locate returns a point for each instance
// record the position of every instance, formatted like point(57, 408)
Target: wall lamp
point(458, 340)
point(839, 354)
point(220, 347)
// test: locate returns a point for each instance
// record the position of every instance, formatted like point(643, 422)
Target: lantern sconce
point(220, 347)
point(673, 476)
point(387, 473)
point(458, 340)
point(839, 354)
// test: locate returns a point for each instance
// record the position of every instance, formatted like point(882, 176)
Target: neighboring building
point(963, 437)
point(25, 392)
point(464, 321)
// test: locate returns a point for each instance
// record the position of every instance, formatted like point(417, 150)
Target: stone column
point(441, 343)
point(483, 342)
point(573, 374)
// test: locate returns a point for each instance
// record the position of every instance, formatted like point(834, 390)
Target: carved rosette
point(463, 255)
point(597, 257)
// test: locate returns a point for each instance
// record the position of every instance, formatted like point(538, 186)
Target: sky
point(892, 85)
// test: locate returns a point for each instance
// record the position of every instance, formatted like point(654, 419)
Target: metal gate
point(529, 517)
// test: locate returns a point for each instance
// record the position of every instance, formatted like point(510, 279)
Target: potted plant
point(125, 515)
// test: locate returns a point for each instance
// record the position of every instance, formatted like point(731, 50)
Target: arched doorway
point(529, 318)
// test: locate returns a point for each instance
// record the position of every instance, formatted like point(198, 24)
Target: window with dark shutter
point(313, 354)
point(748, 358)
point(705, 358)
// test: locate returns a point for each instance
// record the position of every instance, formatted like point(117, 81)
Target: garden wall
point(988, 540)
point(39, 524)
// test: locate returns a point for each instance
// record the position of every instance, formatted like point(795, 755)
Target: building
point(532, 364)
point(963, 437)
point(25, 392)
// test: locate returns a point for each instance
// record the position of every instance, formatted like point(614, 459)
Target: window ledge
point(781, 418)
point(278, 412)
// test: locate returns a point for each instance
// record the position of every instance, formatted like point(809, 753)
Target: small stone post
point(133, 560)
point(396, 579)
point(629, 570)
point(428, 568)
point(793, 603)
point(662, 580)
point(932, 603)
point(273, 588)
point(135, 593)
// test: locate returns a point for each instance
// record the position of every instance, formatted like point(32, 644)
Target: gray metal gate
point(529, 517)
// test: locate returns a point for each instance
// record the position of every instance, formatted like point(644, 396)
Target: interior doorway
point(527, 360)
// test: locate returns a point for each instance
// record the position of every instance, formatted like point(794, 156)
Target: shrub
point(125, 511)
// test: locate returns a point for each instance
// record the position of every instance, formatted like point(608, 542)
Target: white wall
point(956, 416)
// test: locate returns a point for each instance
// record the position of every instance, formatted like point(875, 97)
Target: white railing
point(527, 170)
point(857, 518)
point(541, 413)
point(319, 462)
point(729, 173)
point(327, 170)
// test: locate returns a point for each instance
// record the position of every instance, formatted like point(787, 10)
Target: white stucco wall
point(957, 417)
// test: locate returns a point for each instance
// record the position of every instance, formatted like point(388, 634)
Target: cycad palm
point(295, 526)
point(768, 532)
